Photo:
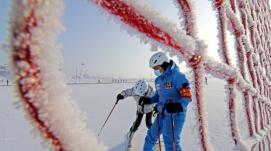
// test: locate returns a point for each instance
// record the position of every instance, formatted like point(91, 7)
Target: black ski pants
point(138, 120)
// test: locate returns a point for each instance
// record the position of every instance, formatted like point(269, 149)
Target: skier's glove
point(174, 107)
point(144, 100)
point(119, 97)
point(155, 111)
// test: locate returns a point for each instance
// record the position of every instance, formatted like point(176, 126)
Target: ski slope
point(96, 100)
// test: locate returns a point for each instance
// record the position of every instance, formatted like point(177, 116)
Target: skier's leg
point(152, 135)
point(134, 127)
point(130, 137)
point(179, 119)
point(148, 120)
point(137, 122)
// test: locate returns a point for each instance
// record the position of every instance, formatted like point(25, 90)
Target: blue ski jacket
point(167, 88)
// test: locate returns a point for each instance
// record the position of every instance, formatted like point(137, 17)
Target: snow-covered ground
point(98, 99)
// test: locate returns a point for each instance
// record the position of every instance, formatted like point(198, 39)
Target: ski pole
point(107, 118)
point(158, 125)
point(173, 136)
point(172, 127)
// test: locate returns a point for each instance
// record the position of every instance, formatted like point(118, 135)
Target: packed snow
point(96, 100)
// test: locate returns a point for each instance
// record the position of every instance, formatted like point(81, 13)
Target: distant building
point(4, 71)
point(5, 75)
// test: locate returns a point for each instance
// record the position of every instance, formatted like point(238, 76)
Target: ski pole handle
point(117, 101)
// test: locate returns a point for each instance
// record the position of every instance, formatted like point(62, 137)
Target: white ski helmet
point(141, 87)
point(158, 59)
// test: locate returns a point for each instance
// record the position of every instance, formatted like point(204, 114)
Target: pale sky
point(105, 50)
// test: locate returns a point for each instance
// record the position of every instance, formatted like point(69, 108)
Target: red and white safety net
point(252, 38)
point(33, 28)
point(41, 86)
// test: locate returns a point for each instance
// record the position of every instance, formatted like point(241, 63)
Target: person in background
point(172, 96)
point(141, 88)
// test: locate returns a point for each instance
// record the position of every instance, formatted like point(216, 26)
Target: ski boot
point(129, 143)
point(130, 148)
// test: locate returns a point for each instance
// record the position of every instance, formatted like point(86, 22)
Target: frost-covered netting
point(35, 24)
point(249, 22)
point(34, 27)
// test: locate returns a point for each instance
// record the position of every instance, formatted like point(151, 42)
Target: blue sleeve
point(180, 81)
point(155, 97)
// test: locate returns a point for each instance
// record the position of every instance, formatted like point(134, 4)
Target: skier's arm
point(126, 93)
point(183, 87)
point(149, 100)
point(155, 97)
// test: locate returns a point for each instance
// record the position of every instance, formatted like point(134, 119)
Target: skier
point(173, 95)
point(141, 88)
